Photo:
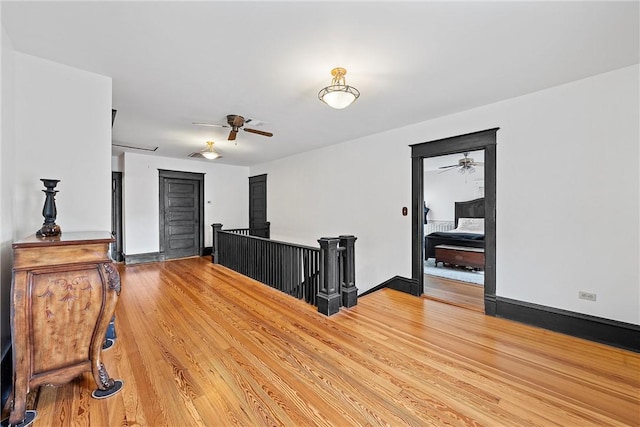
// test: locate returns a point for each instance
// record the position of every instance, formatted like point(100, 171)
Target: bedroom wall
point(560, 172)
point(226, 192)
point(443, 189)
point(62, 131)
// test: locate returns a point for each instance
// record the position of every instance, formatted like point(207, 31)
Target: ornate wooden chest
point(64, 292)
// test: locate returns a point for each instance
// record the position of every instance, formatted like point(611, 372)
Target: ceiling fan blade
point(477, 164)
point(447, 167)
point(197, 155)
point(232, 135)
point(446, 170)
point(210, 124)
point(259, 132)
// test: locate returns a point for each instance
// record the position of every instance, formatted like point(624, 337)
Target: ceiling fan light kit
point(236, 122)
point(465, 165)
point(338, 94)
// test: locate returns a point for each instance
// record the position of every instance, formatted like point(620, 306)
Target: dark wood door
point(180, 218)
point(258, 206)
point(116, 215)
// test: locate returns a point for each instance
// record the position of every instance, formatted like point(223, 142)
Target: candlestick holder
point(49, 227)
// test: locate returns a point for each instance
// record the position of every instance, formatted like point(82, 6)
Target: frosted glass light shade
point(338, 96)
point(210, 155)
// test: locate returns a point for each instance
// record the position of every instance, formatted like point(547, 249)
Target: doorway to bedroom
point(454, 229)
point(467, 243)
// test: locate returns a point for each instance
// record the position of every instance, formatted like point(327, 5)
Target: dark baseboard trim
point(490, 305)
point(598, 329)
point(6, 371)
point(207, 250)
point(143, 258)
point(398, 283)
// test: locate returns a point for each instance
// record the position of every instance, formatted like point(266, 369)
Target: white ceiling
point(174, 63)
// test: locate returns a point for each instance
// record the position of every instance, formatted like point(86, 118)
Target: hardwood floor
point(454, 292)
point(200, 345)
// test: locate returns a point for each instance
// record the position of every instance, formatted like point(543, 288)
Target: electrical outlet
point(586, 295)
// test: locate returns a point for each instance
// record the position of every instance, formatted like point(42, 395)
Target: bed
point(469, 231)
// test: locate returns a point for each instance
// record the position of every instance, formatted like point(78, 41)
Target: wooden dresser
point(64, 293)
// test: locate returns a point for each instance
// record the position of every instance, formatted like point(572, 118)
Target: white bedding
point(469, 225)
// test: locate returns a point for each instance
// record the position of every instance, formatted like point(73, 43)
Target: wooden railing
point(258, 230)
point(324, 276)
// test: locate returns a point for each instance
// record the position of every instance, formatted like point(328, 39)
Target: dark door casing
point(116, 216)
point(483, 140)
point(258, 206)
point(181, 212)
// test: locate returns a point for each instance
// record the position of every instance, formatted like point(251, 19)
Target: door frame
point(192, 176)
point(116, 216)
point(482, 140)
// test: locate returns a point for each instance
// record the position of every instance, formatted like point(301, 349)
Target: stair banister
point(328, 295)
point(349, 290)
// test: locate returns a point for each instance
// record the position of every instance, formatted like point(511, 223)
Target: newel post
point(267, 233)
point(349, 290)
point(214, 250)
point(328, 295)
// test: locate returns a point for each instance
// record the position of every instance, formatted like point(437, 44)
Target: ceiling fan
point(236, 122)
point(465, 165)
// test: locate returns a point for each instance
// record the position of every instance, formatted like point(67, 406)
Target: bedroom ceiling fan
point(236, 122)
point(465, 165)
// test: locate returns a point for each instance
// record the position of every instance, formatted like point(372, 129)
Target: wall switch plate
point(587, 296)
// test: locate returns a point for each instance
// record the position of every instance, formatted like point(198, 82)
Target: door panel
point(181, 218)
point(258, 206)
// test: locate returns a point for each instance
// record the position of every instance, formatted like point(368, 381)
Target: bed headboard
point(469, 209)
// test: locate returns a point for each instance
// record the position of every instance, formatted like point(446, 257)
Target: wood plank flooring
point(199, 345)
point(454, 292)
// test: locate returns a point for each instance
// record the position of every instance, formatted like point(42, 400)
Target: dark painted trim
point(490, 304)
point(417, 224)
point(143, 258)
point(116, 215)
point(482, 140)
point(454, 144)
point(605, 331)
point(397, 283)
point(6, 371)
point(195, 176)
point(208, 250)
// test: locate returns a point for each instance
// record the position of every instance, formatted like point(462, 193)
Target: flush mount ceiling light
point(208, 153)
point(338, 95)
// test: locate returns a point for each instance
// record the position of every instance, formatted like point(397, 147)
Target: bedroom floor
point(456, 273)
point(454, 292)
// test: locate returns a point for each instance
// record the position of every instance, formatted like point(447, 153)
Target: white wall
point(583, 137)
point(62, 131)
point(226, 192)
point(7, 179)
point(353, 188)
point(117, 163)
point(443, 189)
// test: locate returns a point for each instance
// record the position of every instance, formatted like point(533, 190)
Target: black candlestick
point(49, 228)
